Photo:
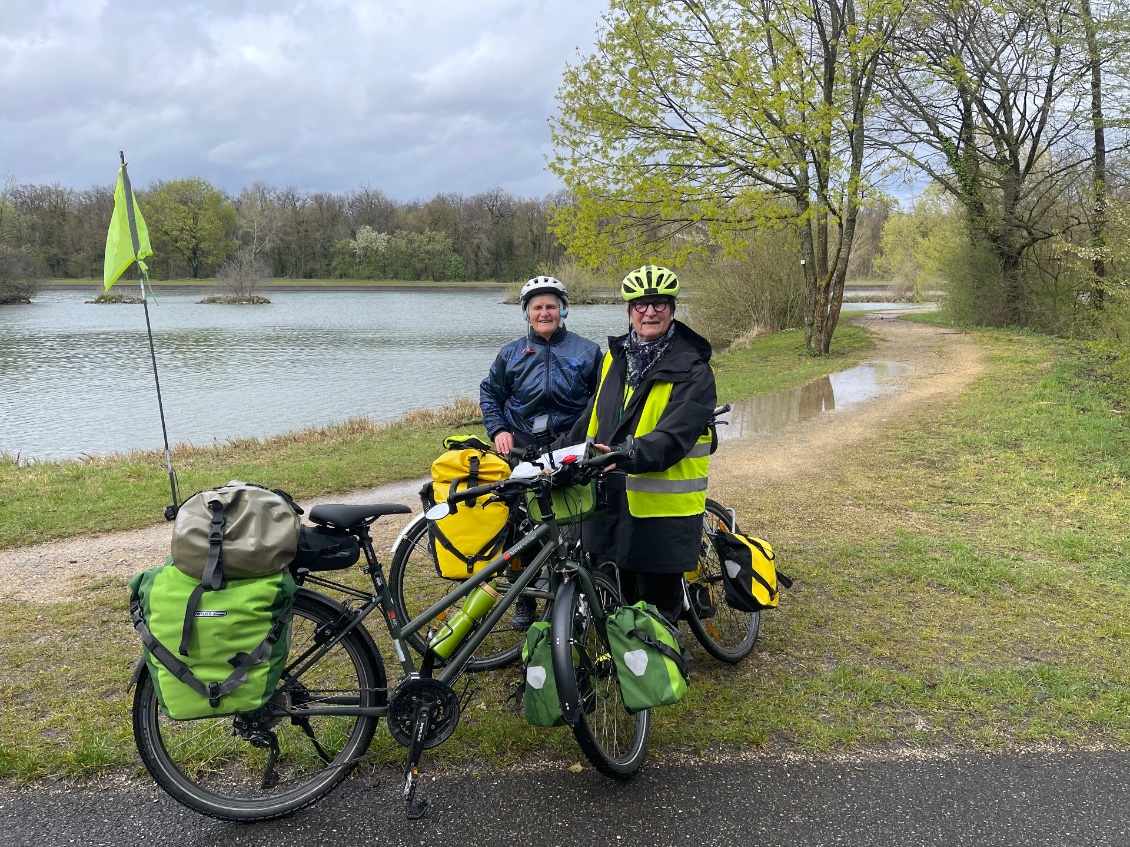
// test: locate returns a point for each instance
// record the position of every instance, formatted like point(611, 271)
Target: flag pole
point(143, 277)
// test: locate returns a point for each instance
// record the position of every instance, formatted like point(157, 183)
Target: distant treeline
point(194, 227)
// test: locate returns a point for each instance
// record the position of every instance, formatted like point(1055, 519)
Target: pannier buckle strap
point(216, 529)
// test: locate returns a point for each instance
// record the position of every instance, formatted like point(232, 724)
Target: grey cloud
point(413, 98)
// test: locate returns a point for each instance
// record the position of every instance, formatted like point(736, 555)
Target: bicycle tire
point(612, 739)
point(727, 634)
point(206, 765)
point(416, 585)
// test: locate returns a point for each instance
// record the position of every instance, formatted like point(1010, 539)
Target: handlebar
point(564, 474)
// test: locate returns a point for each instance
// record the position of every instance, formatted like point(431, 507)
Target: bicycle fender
point(561, 650)
point(136, 675)
point(407, 528)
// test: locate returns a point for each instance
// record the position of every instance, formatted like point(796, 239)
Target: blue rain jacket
point(532, 376)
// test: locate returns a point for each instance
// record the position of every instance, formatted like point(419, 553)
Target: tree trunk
point(1099, 212)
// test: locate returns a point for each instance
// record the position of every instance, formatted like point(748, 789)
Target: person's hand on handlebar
point(604, 448)
point(626, 450)
point(503, 442)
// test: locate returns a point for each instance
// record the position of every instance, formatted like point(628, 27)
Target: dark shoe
point(524, 610)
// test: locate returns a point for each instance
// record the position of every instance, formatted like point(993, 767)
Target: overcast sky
point(414, 97)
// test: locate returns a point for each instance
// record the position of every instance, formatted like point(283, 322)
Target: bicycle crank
point(413, 693)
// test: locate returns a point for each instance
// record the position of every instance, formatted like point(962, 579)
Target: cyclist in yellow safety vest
point(656, 385)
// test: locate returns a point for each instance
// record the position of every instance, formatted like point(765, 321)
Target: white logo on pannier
point(636, 660)
point(207, 614)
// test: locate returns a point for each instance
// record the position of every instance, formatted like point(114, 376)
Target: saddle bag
point(750, 578)
point(470, 536)
point(652, 665)
point(325, 548)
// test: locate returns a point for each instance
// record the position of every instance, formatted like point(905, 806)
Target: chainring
point(416, 691)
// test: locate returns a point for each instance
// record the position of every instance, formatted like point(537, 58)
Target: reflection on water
point(771, 412)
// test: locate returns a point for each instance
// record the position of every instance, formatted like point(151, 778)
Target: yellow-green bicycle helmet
point(649, 281)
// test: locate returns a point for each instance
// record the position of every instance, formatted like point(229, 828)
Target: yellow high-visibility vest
point(681, 489)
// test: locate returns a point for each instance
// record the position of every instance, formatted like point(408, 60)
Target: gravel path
point(941, 363)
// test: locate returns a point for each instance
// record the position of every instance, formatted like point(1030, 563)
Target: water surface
point(77, 378)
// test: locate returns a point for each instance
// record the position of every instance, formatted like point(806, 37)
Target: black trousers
point(662, 590)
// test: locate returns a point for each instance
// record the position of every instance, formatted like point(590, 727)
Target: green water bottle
point(455, 629)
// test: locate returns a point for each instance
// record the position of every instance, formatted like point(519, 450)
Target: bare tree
point(988, 101)
point(241, 275)
point(257, 217)
point(20, 276)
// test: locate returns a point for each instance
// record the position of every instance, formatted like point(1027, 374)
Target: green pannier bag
point(570, 505)
point(540, 704)
point(215, 652)
point(652, 665)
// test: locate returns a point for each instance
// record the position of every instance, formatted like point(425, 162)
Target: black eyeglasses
point(660, 306)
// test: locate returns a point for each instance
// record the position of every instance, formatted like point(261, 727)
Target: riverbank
point(404, 450)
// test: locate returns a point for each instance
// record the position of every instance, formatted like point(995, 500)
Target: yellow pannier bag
point(470, 536)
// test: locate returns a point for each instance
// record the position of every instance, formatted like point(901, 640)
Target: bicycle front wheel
point(222, 766)
point(416, 586)
point(611, 737)
point(725, 633)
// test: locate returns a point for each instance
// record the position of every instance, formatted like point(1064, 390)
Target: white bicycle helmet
point(544, 285)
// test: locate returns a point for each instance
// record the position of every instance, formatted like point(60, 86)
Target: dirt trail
point(941, 363)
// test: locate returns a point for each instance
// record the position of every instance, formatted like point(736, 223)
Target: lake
point(76, 378)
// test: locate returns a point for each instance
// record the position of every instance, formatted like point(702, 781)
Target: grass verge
point(961, 579)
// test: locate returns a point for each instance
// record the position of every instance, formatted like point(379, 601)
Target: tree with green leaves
point(191, 220)
point(695, 122)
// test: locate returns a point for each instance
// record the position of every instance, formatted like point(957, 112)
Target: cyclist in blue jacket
point(539, 385)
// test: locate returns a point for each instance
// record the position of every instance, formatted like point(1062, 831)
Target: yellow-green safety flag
point(120, 250)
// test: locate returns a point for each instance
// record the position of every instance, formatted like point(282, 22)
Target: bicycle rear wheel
point(416, 586)
point(725, 633)
point(612, 738)
point(219, 766)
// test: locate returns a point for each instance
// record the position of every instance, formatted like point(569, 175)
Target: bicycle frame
point(399, 631)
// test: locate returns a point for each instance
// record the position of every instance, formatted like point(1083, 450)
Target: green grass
point(779, 361)
point(962, 579)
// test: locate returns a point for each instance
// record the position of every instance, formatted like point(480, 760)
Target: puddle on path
point(772, 412)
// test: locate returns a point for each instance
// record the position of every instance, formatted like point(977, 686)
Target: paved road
point(1016, 800)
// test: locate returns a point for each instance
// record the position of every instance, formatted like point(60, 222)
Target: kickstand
point(270, 775)
point(415, 810)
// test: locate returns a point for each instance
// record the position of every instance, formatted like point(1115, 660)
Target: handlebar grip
point(472, 493)
point(721, 410)
point(603, 459)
